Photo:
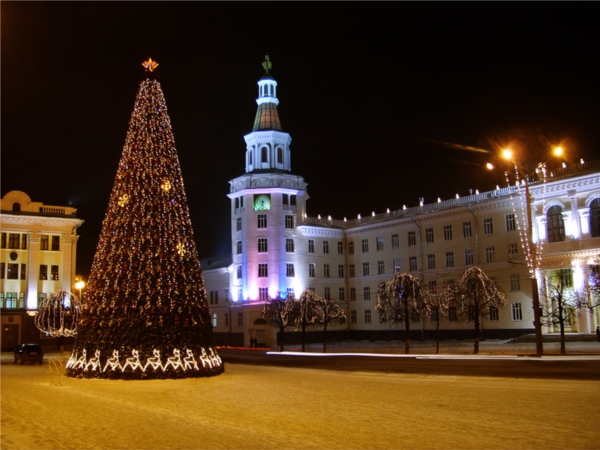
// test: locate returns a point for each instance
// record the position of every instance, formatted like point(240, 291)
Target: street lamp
point(532, 256)
point(80, 284)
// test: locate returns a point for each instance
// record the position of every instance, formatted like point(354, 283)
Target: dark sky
point(369, 92)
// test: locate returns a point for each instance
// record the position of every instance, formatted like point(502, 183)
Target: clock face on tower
point(262, 202)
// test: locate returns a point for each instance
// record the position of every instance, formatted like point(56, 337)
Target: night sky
point(371, 94)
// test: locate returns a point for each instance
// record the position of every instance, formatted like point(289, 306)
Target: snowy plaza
point(260, 407)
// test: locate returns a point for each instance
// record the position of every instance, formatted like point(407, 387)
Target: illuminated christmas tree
point(145, 313)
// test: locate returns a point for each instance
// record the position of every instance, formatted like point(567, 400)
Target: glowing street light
point(79, 284)
point(531, 252)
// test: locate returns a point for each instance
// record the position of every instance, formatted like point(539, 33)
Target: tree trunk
point(303, 334)
point(407, 332)
point(281, 329)
point(476, 339)
point(561, 322)
point(325, 337)
point(437, 332)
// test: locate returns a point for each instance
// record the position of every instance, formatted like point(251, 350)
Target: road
point(576, 367)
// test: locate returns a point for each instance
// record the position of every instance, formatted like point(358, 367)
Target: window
point(54, 272)
point(3, 240)
point(566, 277)
point(352, 316)
point(289, 221)
point(487, 226)
point(341, 294)
point(291, 293)
point(352, 294)
point(379, 243)
point(214, 297)
point(366, 293)
point(263, 294)
point(511, 223)
point(238, 224)
point(396, 265)
point(494, 316)
point(432, 286)
point(327, 294)
point(262, 245)
point(279, 155)
point(311, 270)
point(44, 242)
point(43, 272)
point(55, 243)
point(2, 270)
point(452, 316)
point(262, 221)
point(284, 198)
point(14, 240)
point(513, 249)
point(263, 270)
point(412, 238)
point(41, 298)
point(239, 272)
point(340, 248)
point(447, 232)
point(352, 271)
point(449, 259)
point(555, 224)
point(415, 316)
point(13, 271)
point(326, 247)
point(366, 269)
point(289, 245)
point(11, 300)
point(467, 229)
point(23, 242)
point(395, 241)
point(471, 312)
point(241, 317)
point(469, 257)
point(341, 270)
point(517, 313)
point(289, 270)
point(515, 282)
point(434, 315)
point(489, 254)
point(226, 319)
point(380, 268)
point(365, 245)
point(351, 248)
point(326, 270)
point(367, 316)
point(431, 261)
point(263, 155)
point(311, 246)
point(412, 263)
point(429, 235)
point(238, 247)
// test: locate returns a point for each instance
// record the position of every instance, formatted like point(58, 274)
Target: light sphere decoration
point(58, 314)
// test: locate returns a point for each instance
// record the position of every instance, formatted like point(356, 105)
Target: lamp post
point(79, 284)
point(532, 256)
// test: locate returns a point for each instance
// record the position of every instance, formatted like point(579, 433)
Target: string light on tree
point(58, 314)
point(146, 313)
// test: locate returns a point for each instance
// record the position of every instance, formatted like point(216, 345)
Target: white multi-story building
point(37, 257)
point(277, 249)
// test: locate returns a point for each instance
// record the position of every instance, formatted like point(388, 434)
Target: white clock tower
point(267, 203)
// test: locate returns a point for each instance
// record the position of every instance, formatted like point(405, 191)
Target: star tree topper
point(150, 65)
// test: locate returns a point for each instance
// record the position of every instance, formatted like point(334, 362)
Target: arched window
point(555, 224)
point(595, 217)
point(279, 155)
point(16, 207)
point(271, 90)
point(264, 155)
point(250, 157)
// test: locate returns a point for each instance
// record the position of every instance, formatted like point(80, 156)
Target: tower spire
point(267, 117)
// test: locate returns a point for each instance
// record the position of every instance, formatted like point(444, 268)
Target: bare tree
point(281, 313)
point(561, 304)
point(438, 306)
point(477, 296)
point(307, 314)
point(327, 311)
point(401, 299)
point(592, 302)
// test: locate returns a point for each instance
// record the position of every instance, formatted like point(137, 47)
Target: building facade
point(37, 257)
point(277, 249)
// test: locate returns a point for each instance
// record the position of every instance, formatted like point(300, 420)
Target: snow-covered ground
point(258, 407)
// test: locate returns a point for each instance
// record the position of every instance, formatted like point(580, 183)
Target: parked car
point(29, 353)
